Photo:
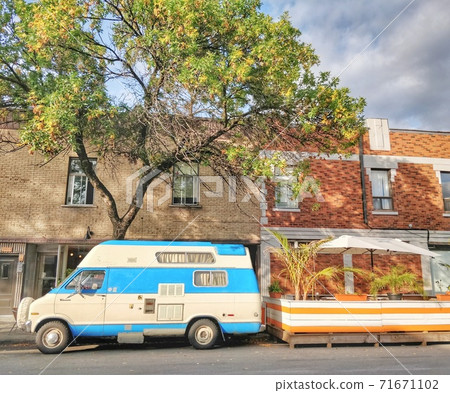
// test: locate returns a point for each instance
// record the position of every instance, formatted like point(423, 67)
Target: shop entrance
point(46, 274)
point(8, 268)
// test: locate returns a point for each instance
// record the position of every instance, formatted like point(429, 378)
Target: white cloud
point(404, 74)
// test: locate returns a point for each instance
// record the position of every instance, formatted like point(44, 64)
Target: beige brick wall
point(32, 206)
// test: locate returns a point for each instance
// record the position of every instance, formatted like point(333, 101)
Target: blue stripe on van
point(87, 330)
point(240, 328)
point(115, 329)
point(222, 249)
point(140, 280)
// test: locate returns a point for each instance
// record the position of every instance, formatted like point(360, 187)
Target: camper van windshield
point(90, 279)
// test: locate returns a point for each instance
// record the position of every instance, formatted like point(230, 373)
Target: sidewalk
point(11, 337)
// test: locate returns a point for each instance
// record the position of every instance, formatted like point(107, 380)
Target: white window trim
point(438, 174)
point(285, 180)
point(385, 213)
point(70, 185)
point(392, 172)
point(196, 188)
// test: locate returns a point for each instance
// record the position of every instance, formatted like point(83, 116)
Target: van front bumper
point(28, 326)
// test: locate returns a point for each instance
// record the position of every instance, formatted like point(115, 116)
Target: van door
point(81, 301)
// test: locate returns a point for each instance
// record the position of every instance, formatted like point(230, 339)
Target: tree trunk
point(120, 224)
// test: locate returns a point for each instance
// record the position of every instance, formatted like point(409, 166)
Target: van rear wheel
point(53, 337)
point(203, 334)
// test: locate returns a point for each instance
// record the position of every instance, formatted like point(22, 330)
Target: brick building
point(395, 185)
point(51, 217)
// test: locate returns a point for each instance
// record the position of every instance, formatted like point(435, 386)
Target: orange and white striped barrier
point(330, 316)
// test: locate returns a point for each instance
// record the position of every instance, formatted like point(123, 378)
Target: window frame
point(445, 199)
point(382, 198)
point(88, 198)
point(185, 257)
point(78, 280)
point(211, 279)
point(283, 187)
point(5, 270)
point(193, 178)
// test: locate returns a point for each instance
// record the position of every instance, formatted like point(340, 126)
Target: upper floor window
point(445, 181)
point(381, 190)
point(284, 194)
point(79, 189)
point(186, 187)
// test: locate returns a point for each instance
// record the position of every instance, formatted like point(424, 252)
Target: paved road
point(238, 358)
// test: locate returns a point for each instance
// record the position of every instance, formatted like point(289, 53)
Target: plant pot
point(350, 297)
point(395, 296)
point(445, 297)
point(275, 295)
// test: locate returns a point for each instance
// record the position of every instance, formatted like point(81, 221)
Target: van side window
point(185, 257)
point(212, 278)
point(88, 279)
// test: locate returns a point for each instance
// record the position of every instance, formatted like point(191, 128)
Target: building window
point(381, 190)
point(445, 181)
point(5, 269)
point(284, 194)
point(186, 188)
point(79, 189)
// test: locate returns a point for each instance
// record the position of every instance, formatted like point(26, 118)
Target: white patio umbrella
point(372, 245)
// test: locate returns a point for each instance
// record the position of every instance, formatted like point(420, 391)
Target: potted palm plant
point(343, 294)
point(396, 280)
point(298, 265)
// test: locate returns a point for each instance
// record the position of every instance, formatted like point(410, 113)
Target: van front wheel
point(53, 337)
point(203, 334)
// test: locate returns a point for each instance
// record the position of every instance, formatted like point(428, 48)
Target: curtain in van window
point(185, 257)
point(210, 279)
point(171, 257)
point(200, 257)
point(201, 279)
point(219, 279)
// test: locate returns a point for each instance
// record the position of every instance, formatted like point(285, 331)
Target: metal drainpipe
point(363, 179)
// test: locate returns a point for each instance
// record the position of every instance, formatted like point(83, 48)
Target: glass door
point(47, 274)
point(7, 284)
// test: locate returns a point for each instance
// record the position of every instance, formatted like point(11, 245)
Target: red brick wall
point(417, 194)
point(417, 197)
point(363, 262)
point(340, 186)
point(415, 144)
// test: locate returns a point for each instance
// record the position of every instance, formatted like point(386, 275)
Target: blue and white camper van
point(133, 289)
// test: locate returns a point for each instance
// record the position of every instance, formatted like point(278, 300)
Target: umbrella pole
point(371, 259)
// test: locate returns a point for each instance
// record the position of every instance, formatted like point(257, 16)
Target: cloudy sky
point(404, 74)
